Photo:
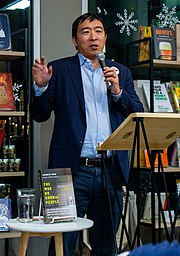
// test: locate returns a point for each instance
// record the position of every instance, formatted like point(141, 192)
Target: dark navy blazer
point(65, 97)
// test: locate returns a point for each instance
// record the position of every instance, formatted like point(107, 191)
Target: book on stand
point(5, 35)
point(144, 47)
point(57, 194)
point(175, 91)
point(6, 92)
point(164, 43)
point(161, 98)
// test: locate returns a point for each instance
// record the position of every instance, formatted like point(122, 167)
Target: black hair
point(83, 17)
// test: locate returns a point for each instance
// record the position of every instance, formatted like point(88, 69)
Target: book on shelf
point(5, 35)
point(168, 88)
point(140, 93)
point(164, 159)
point(177, 37)
point(144, 47)
point(178, 151)
point(6, 92)
point(57, 194)
point(164, 43)
point(175, 155)
point(173, 159)
point(161, 98)
point(175, 91)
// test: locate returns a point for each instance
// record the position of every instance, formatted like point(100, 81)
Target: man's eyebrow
point(84, 28)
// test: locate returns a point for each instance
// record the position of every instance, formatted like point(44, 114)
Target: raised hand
point(40, 72)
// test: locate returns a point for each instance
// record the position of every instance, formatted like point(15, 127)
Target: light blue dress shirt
point(96, 106)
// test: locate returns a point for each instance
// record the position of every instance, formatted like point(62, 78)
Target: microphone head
point(100, 56)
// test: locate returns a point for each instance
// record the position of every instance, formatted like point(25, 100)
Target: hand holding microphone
point(111, 78)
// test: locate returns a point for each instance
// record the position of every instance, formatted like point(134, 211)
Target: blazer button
point(81, 142)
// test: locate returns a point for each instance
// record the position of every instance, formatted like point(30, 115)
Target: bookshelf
point(154, 66)
point(18, 137)
point(10, 55)
point(158, 64)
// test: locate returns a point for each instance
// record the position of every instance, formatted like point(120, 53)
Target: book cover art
point(6, 92)
point(175, 91)
point(144, 47)
point(5, 35)
point(161, 98)
point(164, 43)
point(57, 192)
point(5, 213)
point(164, 159)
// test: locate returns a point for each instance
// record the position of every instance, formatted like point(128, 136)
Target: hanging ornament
point(167, 18)
point(126, 22)
point(16, 88)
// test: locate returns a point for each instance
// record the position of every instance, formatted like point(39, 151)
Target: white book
point(161, 98)
point(139, 91)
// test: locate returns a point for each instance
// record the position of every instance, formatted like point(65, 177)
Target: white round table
point(38, 228)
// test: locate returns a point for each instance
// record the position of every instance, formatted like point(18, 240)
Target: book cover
point(164, 43)
point(6, 92)
point(139, 90)
point(177, 37)
point(161, 98)
point(170, 95)
point(5, 34)
point(57, 193)
point(173, 158)
point(175, 91)
point(5, 213)
point(178, 151)
point(164, 158)
point(144, 47)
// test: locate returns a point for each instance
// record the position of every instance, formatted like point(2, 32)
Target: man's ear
point(74, 41)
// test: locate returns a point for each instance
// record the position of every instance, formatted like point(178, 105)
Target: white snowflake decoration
point(16, 88)
point(127, 22)
point(167, 18)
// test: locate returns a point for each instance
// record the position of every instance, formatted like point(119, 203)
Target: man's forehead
point(88, 23)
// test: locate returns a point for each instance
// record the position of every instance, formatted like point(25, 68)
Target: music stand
point(139, 131)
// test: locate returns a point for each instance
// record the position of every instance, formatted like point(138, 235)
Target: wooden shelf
point(12, 174)
point(169, 169)
point(10, 234)
point(159, 64)
point(12, 113)
point(10, 55)
point(148, 222)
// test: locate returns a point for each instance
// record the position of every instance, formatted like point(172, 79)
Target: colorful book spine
point(175, 91)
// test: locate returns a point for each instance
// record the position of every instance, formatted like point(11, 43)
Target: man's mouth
point(94, 46)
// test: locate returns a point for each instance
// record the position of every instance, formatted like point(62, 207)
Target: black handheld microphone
point(100, 56)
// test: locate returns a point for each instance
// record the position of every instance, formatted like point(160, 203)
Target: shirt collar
point(83, 60)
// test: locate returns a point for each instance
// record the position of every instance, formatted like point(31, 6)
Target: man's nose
point(93, 35)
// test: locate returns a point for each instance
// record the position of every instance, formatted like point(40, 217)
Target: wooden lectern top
point(162, 129)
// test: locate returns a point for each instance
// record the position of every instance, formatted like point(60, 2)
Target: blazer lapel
point(75, 75)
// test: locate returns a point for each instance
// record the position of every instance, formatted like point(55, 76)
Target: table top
point(40, 227)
